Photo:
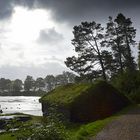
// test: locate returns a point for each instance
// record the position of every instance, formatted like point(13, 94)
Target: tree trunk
point(100, 60)
point(120, 55)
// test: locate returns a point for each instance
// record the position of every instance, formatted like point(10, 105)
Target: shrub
point(52, 129)
point(129, 84)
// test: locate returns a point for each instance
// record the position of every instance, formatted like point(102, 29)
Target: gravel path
point(127, 127)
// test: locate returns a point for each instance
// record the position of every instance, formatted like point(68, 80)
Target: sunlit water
point(20, 104)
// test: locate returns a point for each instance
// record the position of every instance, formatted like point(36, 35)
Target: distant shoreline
point(23, 93)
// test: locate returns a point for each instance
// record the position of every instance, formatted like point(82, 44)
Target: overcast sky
point(35, 35)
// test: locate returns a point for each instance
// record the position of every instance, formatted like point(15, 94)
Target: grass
point(86, 131)
point(65, 94)
point(24, 127)
point(7, 137)
point(76, 131)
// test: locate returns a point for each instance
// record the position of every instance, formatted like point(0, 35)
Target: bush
point(135, 96)
point(129, 84)
point(52, 129)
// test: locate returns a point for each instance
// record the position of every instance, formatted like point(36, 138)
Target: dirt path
point(127, 127)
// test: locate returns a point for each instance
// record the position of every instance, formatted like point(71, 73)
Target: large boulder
point(85, 102)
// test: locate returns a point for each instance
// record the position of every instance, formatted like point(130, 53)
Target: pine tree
point(114, 40)
point(88, 38)
point(128, 33)
point(139, 56)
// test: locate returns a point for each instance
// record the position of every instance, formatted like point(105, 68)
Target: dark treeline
point(106, 53)
point(31, 86)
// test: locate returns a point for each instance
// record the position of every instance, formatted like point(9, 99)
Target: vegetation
point(34, 128)
point(91, 41)
point(38, 128)
point(105, 53)
point(85, 102)
point(65, 94)
point(36, 87)
point(86, 131)
point(102, 54)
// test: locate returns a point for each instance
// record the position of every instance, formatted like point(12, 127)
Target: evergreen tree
point(50, 82)
point(29, 83)
point(39, 83)
point(88, 38)
point(114, 40)
point(17, 85)
point(139, 56)
point(128, 33)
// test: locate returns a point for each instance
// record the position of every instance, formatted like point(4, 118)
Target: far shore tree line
point(40, 84)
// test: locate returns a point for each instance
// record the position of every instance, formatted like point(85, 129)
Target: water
point(20, 104)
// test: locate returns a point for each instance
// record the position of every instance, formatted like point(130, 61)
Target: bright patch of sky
point(30, 38)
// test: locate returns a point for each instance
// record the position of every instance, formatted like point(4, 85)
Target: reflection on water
point(21, 104)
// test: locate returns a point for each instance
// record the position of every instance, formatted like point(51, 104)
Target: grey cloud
point(25, 3)
point(21, 72)
point(49, 36)
point(6, 9)
point(71, 10)
point(77, 10)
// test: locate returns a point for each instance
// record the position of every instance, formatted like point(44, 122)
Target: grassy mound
point(85, 102)
point(65, 95)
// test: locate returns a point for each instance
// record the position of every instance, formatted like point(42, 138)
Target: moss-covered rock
point(85, 102)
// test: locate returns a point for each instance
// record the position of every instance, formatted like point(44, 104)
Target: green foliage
point(65, 94)
point(128, 83)
point(135, 96)
point(29, 83)
point(7, 137)
point(139, 55)
point(85, 102)
point(127, 33)
point(52, 129)
point(5, 84)
point(51, 132)
point(90, 43)
point(88, 37)
point(39, 83)
point(16, 85)
point(88, 131)
point(91, 129)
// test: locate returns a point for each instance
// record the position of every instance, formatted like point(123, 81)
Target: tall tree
point(50, 82)
point(5, 84)
point(39, 83)
point(87, 41)
point(70, 77)
point(17, 85)
point(114, 40)
point(128, 33)
point(29, 83)
point(139, 56)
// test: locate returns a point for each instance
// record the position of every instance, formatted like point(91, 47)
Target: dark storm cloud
point(72, 10)
point(77, 10)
